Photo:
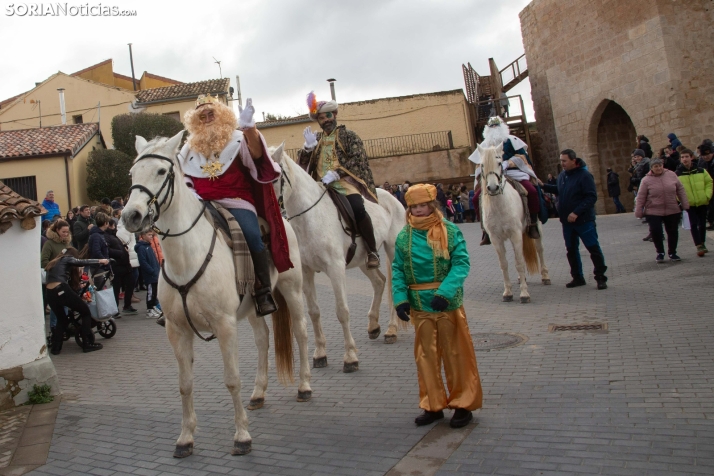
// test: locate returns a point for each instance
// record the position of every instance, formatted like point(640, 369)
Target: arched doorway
point(616, 139)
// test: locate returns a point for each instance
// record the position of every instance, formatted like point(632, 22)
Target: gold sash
point(424, 286)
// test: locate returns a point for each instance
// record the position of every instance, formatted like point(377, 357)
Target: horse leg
point(293, 298)
point(517, 241)
point(391, 336)
point(319, 357)
point(545, 277)
point(339, 287)
point(503, 261)
point(378, 280)
point(261, 334)
point(181, 340)
point(227, 333)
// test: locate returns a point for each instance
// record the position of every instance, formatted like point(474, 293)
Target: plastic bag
point(685, 221)
point(104, 305)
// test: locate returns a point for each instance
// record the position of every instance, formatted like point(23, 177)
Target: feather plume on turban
point(316, 107)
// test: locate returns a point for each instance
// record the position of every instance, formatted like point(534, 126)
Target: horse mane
point(156, 144)
point(488, 160)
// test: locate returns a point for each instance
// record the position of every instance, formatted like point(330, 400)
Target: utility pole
point(131, 60)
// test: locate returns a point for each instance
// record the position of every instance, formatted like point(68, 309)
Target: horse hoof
point(241, 447)
point(319, 363)
point(256, 403)
point(375, 333)
point(507, 298)
point(390, 339)
point(183, 451)
point(350, 367)
point(304, 396)
point(525, 299)
point(546, 282)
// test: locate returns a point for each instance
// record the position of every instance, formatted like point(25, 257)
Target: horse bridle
point(169, 195)
point(501, 181)
point(284, 178)
point(157, 204)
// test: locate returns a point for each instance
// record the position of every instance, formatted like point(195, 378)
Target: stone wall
point(651, 57)
point(425, 167)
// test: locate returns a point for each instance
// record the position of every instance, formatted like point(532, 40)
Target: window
point(174, 114)
point(77, 119)
point(25, 186)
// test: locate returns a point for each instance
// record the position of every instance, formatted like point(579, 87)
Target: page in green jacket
point(415, 263)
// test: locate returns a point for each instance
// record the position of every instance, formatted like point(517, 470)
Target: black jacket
point(576, 194)
point(60, 271)
point(80, 231)
point(613, 184)
point(672, 162)
point(118, 252)
point(708, 166)
point(98, 248)
point(646, 148)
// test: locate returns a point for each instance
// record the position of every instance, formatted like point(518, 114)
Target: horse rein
point(154, 200)
point(501, 181)
point(282, 182)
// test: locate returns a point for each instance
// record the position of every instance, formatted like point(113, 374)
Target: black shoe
point(674, 257)
point(264, 302)
point(461, 418)
point(161, 321)
point(485, 239)
point(580, 281)
point(711, 227)
point(533, 232)
point(367, 231)
point(601, 285)
point(91, 347)
point(56, 350)
point(428, 417)
point(647, 238)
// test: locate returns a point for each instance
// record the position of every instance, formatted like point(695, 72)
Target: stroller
point(105, 327)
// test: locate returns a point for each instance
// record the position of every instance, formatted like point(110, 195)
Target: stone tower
point(604, 71)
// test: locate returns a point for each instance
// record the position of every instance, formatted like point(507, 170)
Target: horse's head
point(491, 171)
point(283, 187)
point(153, 178)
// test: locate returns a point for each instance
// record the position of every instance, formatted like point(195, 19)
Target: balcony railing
point(402, 145)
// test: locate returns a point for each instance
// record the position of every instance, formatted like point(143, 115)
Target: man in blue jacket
point(51, 206)
point(576, 207)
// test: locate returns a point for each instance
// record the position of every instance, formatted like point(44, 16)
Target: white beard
point(492, 136)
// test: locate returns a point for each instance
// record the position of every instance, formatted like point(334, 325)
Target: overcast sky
point(281, 49)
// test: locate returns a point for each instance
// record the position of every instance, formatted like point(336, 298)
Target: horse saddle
point(347, 217)
point(221, 224)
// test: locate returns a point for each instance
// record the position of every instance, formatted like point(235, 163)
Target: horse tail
point(530, 255)
point(283, 336)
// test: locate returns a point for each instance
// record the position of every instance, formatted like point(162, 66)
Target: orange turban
point(420, 193)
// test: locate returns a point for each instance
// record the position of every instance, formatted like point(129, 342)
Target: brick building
point(603, 71)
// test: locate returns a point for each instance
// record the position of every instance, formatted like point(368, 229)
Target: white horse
point(213, 303)
point(323, 247)
point(504, 219)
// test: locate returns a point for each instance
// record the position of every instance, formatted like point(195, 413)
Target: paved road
point(635, 400)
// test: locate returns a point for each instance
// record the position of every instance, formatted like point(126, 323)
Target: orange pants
point(444, 336)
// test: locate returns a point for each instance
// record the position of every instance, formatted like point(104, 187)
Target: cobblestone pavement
point(636, 399)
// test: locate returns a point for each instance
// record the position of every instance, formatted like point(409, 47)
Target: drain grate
point(493, 341)
point(578, 327)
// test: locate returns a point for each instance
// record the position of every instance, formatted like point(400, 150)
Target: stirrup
point(264, 302)
point(372, 260)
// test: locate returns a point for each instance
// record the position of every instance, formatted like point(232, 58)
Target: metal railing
point(401, 145)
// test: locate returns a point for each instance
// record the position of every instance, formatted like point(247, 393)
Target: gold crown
point(204, 99)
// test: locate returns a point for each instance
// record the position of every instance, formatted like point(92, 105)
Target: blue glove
point(403, 311)
point(439, 304)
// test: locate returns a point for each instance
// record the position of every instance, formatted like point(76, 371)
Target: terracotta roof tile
point(58, 140)
point(282, 122)
point(16, 207)
point(187, 90)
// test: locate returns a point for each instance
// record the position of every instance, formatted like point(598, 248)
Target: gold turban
point(420, 193)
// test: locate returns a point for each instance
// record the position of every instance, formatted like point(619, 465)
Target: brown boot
point(367, 232)
point(485, 239)
point(264, 302)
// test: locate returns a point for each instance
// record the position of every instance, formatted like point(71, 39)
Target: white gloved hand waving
point(330, 177)
point(246, 120)
point(310, 138)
